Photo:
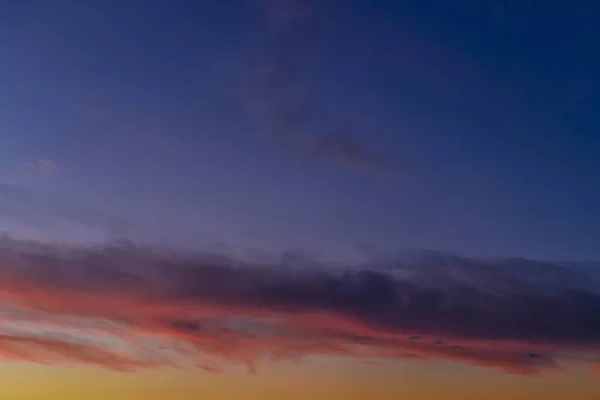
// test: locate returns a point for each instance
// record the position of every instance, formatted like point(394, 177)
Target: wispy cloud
point(132, 307)
point(279, 95)
point(43, 166)
point(25, 202)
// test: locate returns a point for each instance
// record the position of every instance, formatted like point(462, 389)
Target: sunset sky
point(267, 199)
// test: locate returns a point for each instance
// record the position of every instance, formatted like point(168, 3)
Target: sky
point(428, 169)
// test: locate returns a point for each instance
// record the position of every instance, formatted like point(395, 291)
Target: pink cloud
point(159, 311)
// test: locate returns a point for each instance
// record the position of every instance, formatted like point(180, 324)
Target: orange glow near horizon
point(322, 380)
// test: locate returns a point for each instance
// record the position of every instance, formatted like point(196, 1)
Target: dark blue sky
point(485, 113)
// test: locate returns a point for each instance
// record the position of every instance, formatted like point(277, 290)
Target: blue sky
point(487, 110)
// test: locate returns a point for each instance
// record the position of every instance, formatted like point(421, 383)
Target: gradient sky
point(487, 110)
point(339, 128)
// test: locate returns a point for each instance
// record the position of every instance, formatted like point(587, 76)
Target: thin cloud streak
point(279, 95)
point(158, 309)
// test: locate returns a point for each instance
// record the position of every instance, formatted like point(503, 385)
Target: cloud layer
point(130, 307)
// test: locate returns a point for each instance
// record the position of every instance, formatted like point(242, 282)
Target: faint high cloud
point(134, 307)
point(46, 165)
point(43, 166)
point(281, 14)
point(25, 203)
point(280, 95)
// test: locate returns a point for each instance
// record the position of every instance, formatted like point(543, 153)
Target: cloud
point(282, 14)
point(371, 362)
point(25, 203)
point(51, 351)
point(135, 307)
point(46, 164)
point(348, 151)
point(43, 166)
point(280, 96)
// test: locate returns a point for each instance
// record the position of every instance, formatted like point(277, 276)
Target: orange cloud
point(371, 362)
